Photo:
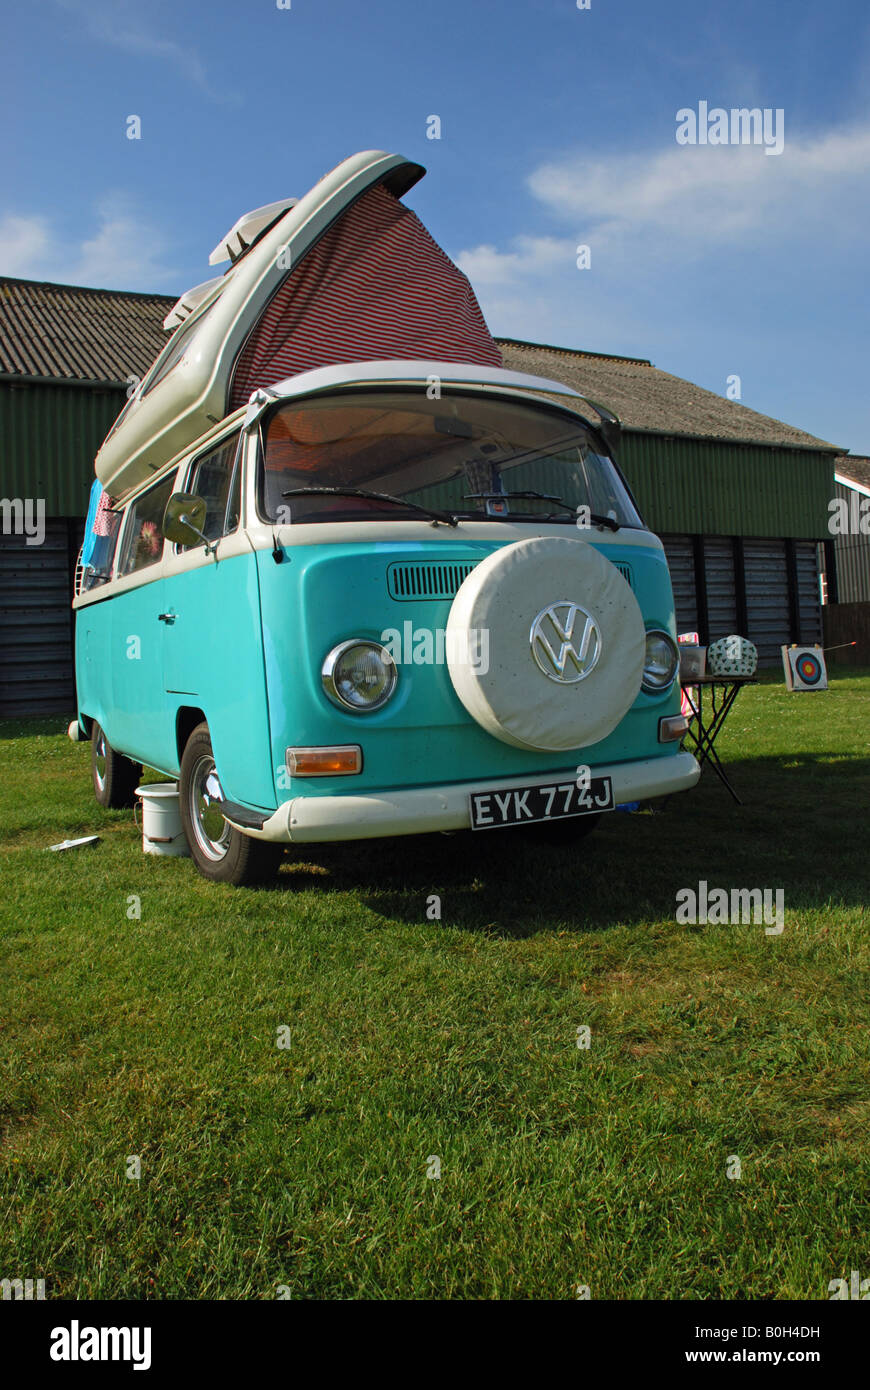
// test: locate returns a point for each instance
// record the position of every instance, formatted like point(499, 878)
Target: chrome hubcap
point(211, 830)
point(100, 759)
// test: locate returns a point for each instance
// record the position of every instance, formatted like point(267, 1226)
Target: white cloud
point(706, 193)
point(23, 242)
point(666, 226)
point(486, 265)
point(124, 252)
point(120, 24)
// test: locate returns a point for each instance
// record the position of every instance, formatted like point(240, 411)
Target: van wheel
point(115, 777)
point(220, 851)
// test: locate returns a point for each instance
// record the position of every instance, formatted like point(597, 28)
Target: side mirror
point(184, 519)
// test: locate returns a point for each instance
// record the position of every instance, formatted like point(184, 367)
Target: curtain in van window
point(375, 285)
point(101, 533)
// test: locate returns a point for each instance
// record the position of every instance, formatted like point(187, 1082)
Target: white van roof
point(400, 370)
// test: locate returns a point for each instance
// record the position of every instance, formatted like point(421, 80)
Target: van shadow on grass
point(36, 726)
point(800, 829)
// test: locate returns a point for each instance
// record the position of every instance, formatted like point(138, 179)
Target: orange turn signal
point(340, 761)
point(672, 728)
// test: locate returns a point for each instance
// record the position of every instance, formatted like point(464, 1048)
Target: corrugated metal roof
point(64, 332)
point(653, 401)
point(854, 466)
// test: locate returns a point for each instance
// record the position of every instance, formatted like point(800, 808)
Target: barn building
point(852, 545)
point(739, 499)
point(846, 588)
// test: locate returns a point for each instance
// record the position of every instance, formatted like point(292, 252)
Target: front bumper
point(421, 810)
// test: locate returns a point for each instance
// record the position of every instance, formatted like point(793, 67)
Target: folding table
point(701, 740)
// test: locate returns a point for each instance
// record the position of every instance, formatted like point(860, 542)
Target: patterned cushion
point(732, 656)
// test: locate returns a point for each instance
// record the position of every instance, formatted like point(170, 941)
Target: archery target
point(805, 668)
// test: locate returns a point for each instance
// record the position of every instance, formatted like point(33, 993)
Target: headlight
point(660, 663)
point(359, 676)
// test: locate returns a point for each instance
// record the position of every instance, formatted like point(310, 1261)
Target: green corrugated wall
point(703, 487)
point(49, 436)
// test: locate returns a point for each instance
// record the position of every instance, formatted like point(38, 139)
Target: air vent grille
point(625, 571)
point(428, 580)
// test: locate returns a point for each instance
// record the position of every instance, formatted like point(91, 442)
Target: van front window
point(143, 535)
point(477, 457)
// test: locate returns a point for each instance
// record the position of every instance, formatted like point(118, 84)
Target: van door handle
point(166, 617)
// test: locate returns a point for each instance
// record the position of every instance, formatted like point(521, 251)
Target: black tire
point(220, 852)
point(115, 777)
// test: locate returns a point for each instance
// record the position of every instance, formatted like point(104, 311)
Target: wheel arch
point(187, 718)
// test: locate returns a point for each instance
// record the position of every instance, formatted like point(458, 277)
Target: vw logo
point(565, 642)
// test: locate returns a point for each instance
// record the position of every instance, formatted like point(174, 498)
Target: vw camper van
point(377, 597)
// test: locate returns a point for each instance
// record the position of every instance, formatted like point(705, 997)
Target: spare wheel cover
point(550, 584)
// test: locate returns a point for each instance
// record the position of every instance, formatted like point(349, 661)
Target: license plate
point(525, 805)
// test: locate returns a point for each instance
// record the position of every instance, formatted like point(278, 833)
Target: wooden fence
point(847, 622)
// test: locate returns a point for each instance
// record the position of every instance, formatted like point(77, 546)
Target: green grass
point(307, 1166)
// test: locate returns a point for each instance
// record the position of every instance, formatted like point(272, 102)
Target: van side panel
point(213, 660)
point(119, 671)
point(137, 720)
point(135, 671)
point(93, 634)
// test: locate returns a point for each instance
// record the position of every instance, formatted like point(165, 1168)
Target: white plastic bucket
point(162, 832)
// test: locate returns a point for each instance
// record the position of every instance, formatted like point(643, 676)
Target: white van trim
point(392, 371)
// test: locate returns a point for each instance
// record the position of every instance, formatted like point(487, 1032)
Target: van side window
point(143, 536)
point(216, 480)
point(107, 526)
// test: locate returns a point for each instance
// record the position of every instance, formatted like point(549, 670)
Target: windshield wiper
point(594, 517)
point(446, 517)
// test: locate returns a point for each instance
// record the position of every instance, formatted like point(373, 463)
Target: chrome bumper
point(421, 810)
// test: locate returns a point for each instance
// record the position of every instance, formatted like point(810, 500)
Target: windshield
point(462, 453)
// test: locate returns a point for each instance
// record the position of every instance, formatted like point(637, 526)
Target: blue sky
point(557, 130)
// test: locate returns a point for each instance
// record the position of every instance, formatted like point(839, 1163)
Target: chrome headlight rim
point(649, 686)
point(330, 664)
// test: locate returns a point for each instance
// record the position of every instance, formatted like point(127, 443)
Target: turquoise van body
point(425, 726)
point(260, 692)
point(140, 677)
point(233, 640)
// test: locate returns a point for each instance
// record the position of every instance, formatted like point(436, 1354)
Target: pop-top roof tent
point(345, 274)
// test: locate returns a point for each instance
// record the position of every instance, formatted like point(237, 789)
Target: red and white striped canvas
point(104, 520)
point(375, 285)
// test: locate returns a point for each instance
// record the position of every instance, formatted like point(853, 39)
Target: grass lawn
point(307, 1166)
